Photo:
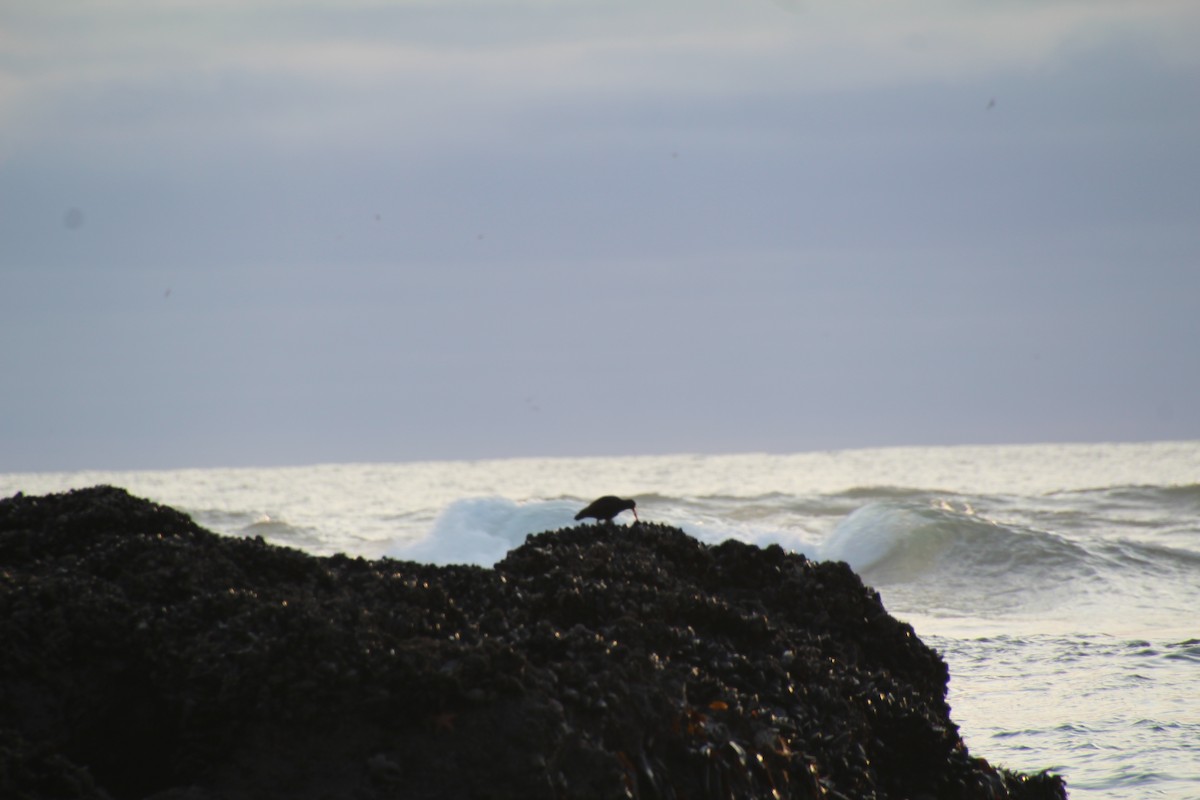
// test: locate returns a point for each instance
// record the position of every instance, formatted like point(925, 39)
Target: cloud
point(258, 68)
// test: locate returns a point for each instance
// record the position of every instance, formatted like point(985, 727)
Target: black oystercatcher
point(607, 507)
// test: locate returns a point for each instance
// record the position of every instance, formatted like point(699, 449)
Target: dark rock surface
point(142, 656)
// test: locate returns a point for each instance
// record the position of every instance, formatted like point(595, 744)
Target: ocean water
point(1060, 582)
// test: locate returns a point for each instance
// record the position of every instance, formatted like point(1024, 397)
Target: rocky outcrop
point(143, 656)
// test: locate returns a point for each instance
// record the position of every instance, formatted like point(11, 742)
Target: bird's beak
point(635, 516)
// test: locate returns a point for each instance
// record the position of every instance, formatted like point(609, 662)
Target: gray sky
point(276, 231)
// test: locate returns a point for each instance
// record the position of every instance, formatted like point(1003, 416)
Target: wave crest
point(904, 541)
point(481, 530)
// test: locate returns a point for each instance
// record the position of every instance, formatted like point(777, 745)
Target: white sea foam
point(482, 530)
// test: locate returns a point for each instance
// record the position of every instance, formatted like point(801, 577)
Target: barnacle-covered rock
point(146, 657)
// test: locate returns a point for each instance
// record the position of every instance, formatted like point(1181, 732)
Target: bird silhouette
point(607, 507)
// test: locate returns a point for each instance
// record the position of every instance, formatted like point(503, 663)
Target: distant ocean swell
point(891, 535)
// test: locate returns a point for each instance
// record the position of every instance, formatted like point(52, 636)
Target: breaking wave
point(906, 541)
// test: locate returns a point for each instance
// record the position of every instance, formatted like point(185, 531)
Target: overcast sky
point(273, 232)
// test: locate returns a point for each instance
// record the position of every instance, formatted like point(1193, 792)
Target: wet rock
point(146, 657)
